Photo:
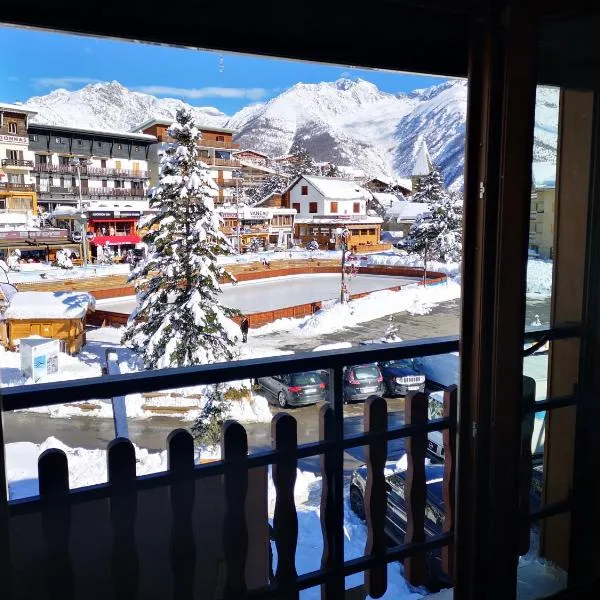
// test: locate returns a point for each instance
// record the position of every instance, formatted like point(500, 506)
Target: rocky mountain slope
point(348, 122)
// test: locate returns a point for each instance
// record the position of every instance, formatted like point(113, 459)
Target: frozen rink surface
point(280, 292)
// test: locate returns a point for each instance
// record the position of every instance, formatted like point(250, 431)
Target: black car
point(298, 389)
point(395, 524)
point(400, 377)
point(360, 382)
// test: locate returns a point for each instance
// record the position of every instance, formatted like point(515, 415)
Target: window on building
point(304, 190)
point(19, 203)
point(12, 128)
point(371, 232)
point(12, 155)
point(60, 140)
point(103, 163)
point(220, 138)
point(104, 183)
point(136, 148)
point(117, 164)
point(33, 137)
point(41, 159)
point(334, 207)
point(99, 144)
point(119, 146)
point(312, 207)
point(2, 203)
point(356, 207)
point(539, 207)
point(296, 206)
point(80, 142)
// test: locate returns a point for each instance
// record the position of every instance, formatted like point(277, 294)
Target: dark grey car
point(362, 381)
point(298, 389)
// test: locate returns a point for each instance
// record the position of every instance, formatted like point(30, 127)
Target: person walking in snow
point(244, 327)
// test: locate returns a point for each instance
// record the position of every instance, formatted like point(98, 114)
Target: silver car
point(297, 389)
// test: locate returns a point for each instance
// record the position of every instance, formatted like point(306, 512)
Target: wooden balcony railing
point(109, 531)
point(92, 171)
point(17, 187)
point(90, 191)
point(14, 162)
point(204, 142)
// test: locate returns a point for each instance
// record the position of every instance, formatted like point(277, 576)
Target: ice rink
point(280, 292)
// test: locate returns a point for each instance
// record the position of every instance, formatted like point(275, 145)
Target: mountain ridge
point(348, 121)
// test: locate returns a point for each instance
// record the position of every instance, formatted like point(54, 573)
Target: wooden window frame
point(304, 190)
point(313, 208)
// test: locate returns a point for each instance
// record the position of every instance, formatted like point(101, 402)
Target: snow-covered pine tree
point(179, 320)
point(331, 170)
point(437, 233)
point(276, 182)
point(429, 186)
point(301, 163)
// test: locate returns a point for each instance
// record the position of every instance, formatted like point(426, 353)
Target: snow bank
point(35, 272)
point(49, 305)
point(402, 259)
point(335, 316)
point(539, 277)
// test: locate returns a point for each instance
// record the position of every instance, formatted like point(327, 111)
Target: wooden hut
point(57, 315)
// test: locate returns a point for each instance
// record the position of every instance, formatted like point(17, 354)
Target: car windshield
point(366, 372)
point(404, 363)
point(309, 378)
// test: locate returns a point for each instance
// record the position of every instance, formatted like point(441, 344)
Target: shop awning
point(115, 240)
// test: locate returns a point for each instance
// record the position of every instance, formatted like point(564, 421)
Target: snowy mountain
point(348, 122)
point(110, 105)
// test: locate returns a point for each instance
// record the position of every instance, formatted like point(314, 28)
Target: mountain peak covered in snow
point(350, 122)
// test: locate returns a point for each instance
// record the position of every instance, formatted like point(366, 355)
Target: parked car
point(440, 371)
point(297, 389)
point(362, 381)
point(396, 517)
point(435, 410)
point(400, 377)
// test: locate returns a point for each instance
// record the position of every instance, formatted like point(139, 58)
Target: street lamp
point(78, 163)
point(238, 175)
point(344, 235)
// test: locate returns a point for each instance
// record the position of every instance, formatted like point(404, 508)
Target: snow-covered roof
point(16, 108)
point(7, 218)
point(404, 183)
point(168, 122)
point(351, 171)
point(64, 211)
point(251, 165)
point(337, 189)
point(408, 211)
point(121, 134)
point(251, 151)
point(391, 181)
point(544, 175)
point(423, 163)
point(49, 305)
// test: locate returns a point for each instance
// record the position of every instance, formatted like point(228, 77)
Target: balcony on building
point(151, 537)
point(17, 163)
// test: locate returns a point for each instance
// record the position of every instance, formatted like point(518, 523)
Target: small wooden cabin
point(57, 315)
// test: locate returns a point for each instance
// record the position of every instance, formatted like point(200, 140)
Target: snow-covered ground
point(36, 272)
point(183, 403)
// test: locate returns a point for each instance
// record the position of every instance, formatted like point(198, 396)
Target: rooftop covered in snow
point(17, 108)
point(120, 134)
point(49, 305)
point(168, 122)
point(334, 187)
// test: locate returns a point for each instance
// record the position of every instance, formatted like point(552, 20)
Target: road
point(280, 292)
point(151, 433)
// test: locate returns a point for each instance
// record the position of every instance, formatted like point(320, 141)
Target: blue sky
point(36, 62)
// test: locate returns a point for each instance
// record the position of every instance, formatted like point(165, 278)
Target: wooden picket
point(375, 421)
point(285, 519)
point(53, 475)
point(234, 449)
point(123, 509)
point(415, 411)
point(180, 446)
point(449, 437)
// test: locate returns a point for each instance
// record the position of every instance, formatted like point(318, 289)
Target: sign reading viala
point(13, 139)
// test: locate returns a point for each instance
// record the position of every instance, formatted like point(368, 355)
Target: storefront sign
point(256, 214)
point(13, 139)
point(101, 214)
point(41, 235)
point(127, 214)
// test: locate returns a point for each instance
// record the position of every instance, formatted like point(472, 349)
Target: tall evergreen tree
point(179, 320)
point(301, 163)
point(437, 232)
point(274, 183)
point(429, 186)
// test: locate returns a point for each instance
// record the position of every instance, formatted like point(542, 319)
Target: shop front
point(115, 230)
point(38, 245)
point(254, 227)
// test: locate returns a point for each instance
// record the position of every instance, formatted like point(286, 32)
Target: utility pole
point(77, 163)
point(237, 175)
point(344, 241)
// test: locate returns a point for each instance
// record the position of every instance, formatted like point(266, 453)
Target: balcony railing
point(204, 142)
point(17, 187)
point(68, 528)
point(14, 162)
point(89, 191)
point(92, 171)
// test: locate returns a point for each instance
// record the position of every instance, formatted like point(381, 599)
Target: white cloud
point(63, 82)
point(205, 92)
